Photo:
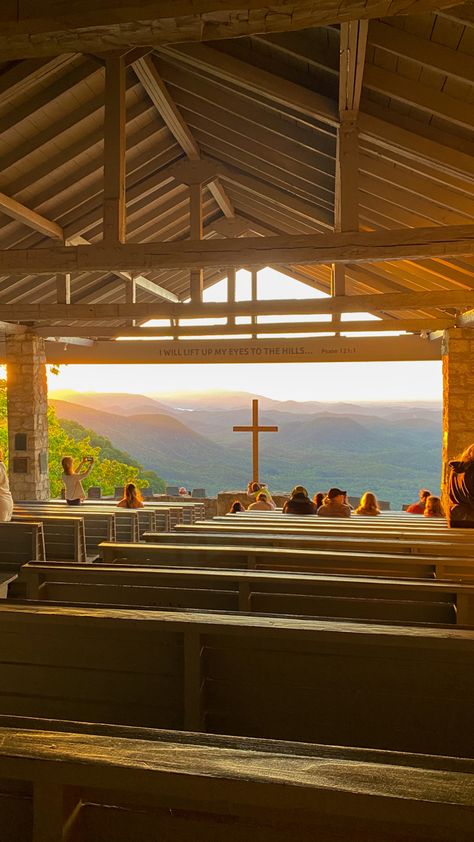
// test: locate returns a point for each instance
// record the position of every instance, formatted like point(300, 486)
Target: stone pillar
point(27, 399)
point(458, 394)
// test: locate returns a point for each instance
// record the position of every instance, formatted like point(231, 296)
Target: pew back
point(65, 537)
point(20, 543)
point(359, 597)
point(348, 684)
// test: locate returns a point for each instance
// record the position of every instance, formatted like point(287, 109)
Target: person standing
point(461, 491)
point(6, 499)
point(72, 479)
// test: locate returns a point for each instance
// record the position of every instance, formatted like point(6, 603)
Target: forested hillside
point(391, 449)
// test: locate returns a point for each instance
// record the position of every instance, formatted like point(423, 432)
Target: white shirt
point(72, 484)
point(4, 485)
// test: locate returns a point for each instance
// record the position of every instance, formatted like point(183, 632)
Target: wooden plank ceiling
point(262, 112)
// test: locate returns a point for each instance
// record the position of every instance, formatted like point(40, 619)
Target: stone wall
point(458, 394)
point(226, 498)
point(27, 398)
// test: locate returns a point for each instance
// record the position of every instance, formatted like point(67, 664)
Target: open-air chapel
point(176, 672)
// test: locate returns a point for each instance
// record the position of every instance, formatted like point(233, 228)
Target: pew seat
point(70, 780)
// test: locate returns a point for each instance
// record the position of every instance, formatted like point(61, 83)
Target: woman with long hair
point(368, 505)
point(318, 499)
point(461, 490)
point(6, 499)
point(433, 507)
point(132, 499)
point(72, 479)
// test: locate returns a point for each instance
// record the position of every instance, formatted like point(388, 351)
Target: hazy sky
point(292, 381)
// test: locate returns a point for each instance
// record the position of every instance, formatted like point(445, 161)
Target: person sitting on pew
point(368, 505)
point(419, 508)
point(132, 499)
point(236, 507)
point(461, 491)
point(335, 504)
point(262, 504)
point(299, 503)
point(433, 507)
point(72, 479)
point(254, 488)
point(6, 499)
point(318, 499)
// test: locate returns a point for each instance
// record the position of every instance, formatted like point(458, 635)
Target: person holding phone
point(72, 479)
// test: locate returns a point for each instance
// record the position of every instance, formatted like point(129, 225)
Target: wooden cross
point(255, 429)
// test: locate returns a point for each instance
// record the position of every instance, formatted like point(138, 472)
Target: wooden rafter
point(147, 72)
point(114, 151)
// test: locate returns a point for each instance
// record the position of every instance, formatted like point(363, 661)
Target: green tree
point(107, 473)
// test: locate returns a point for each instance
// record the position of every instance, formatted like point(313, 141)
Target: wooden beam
point(353, 42)
point(289, 350)
point(220, 196)
point(386, 302)
point(161, 98)
point(459, 65)
point(63, 289)
point(424, 97)
point(195, 228)
point(231, 329)
point(255, 80)
point(29, 29)
point(147, 72)
point(139, 280)
point(114, 151)
point(10, 207)
point(357, 247)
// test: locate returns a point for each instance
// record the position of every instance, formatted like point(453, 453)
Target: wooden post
point(195, 224)
point(131, 295)
point(114, 151)
point(254, 296)
point(231, 279)
point(63, 289)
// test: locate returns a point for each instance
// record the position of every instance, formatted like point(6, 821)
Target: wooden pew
point(123, 524)
point(66, 780)
point(356, 597)
point(98, 526)
point(418, 545)
point(400, 688)
point(253, 557)
point(65, 537)
point(21, 542)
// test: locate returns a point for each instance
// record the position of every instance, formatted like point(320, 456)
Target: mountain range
point(390, 448)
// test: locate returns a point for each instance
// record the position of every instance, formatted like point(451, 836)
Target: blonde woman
point(461, 491)
point(368, 505)
point(132, 499)
point(72, 479)
point(6, 499)
point(433, 507)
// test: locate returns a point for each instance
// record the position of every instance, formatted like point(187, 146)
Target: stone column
point(27, 399)
point(458, 394)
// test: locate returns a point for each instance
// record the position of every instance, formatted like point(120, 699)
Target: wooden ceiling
point(262, 113)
